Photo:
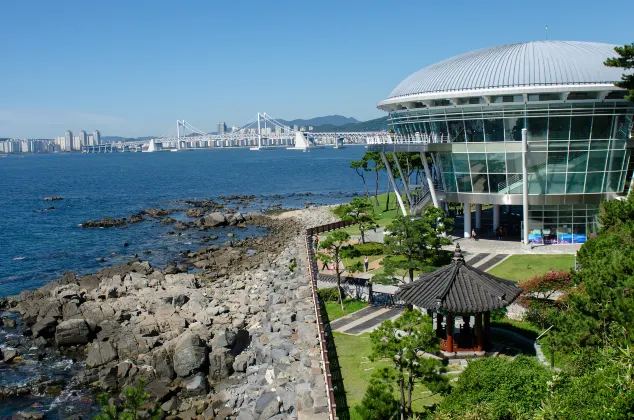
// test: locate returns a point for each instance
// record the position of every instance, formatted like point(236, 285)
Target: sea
point(38, 244)
point(40, 240)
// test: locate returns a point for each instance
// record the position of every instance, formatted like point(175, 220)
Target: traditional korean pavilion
point(459, 290)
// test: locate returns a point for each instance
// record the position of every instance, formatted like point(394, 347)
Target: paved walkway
point(365, 320)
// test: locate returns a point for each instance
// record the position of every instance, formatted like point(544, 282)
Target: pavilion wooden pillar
point(487, 327)
point(450, 325)
point(439, 318)
point(479, 331)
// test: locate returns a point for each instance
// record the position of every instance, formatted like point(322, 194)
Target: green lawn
point(356, 369)
point(384, 218)
point(351, 305)
point(523, 267)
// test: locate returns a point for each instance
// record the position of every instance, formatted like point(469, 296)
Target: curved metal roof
point(459, 288)
point(538, 63)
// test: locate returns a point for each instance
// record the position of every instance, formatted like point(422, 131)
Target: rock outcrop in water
point(238, 339)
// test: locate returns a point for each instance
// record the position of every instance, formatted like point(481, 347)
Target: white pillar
point(405, 185)
point(496, 216)
point(391, 178)
point(430, 181)
point(467, 219)
point(525, 183)
point(478, 208)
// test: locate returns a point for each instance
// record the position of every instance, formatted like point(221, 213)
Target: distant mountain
point(378, 124)
point(335, 120)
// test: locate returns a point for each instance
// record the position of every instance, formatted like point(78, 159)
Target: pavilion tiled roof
point(459, 288)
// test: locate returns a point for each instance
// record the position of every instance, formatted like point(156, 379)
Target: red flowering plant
point(544, 295)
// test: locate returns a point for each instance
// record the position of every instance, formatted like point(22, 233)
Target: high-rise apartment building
point(68, 141)
point(222, 127)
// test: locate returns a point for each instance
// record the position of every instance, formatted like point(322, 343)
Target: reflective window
point(480, 183)
point(601, 126)
point(494, 129)
point(623, 124)
point(579, 145)
point(580, 127)
point(514, 162)
point(537, 128)
point(536, 162)
point(514, 184)
point(615, 160)
point(496, 163)
point(478, 163)
point(556, 183)
point(449, 181)
point(594, 182)
point(497, 182)
point(464, 182)
point(474, 130)
point(612, 181)
point(575, 183)
point(537, 182)
point(456, 131)
point(557, 161)
point(460, 162)
point(513, 128)
point(559, 128)
point(577, 161)
point(596, 160)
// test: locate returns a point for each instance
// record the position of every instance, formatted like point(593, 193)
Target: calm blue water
point(37, 246)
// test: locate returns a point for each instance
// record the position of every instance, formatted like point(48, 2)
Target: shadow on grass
point(343, 411)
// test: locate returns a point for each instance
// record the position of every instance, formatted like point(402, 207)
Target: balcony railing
point(416, 138)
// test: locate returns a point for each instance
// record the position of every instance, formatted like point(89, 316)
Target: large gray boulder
point(190, 354)
point(100, 353)
point(215, 219)
point(73, 332)
point(267, 405)
point(220, 364)
point(44, 328)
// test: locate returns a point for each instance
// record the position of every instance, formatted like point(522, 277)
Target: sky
point(132, 68)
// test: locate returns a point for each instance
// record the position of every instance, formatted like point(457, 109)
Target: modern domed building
point(536, 124)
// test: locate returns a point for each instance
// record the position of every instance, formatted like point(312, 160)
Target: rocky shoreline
point(236, 339)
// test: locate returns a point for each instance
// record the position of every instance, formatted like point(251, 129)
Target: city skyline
point(148, 74)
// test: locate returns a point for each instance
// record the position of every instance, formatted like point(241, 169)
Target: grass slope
point(522, 267)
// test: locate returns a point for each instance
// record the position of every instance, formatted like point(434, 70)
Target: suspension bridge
point(261, 132)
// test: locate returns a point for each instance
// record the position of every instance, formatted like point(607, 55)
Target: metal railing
point(415, 138)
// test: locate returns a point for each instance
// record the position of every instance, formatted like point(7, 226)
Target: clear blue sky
point(132, 68)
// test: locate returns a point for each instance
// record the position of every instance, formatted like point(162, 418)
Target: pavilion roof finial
point(457, 255)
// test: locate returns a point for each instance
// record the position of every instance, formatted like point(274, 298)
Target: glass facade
point(564, 224)
point(574, 148)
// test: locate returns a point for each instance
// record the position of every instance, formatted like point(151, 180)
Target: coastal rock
point(9, 354)
point(196, 386)
point(267, 405)
point(53, 198)
point(28, 415)
point(157, 213)
point(190, 354)
point(198, 212)
point(236, 218)
point(100, 353)
point(44, 328)
point(215, 219)
point(181, 226)
point(220, 364)
point(9, 323)
point(72, 332)
point(105, 222)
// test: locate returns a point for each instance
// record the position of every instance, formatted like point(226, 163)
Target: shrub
point(329, 294)
point(378, 402)
point(369, 248)
point(509, 389)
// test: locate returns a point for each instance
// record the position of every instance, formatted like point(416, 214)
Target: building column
point(467, 219)
point(391, 178)
point(478, 221)
point(405, 185)
point(487, 327)
point(525, 183)
point(430, 181)
point(439, 318)
point(479, 332)
point(450, 332)
point(496, 216)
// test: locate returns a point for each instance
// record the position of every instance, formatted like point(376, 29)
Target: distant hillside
point(378, 124)
point(334, 120)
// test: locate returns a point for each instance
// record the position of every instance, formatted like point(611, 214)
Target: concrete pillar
point(496, 216)
point(478, 208)
point(450, 324)
point(479, 332)
point(430, 181)
point(391, 178)
point(525, 183)
point(404, 181)
point(467, 219)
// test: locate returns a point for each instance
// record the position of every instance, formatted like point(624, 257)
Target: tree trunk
point(365, 184)
point(376, 188)
point(338, 279)
point(410, 389)
point(362, 232)
point(411, 275)
point(387, 202)
point(401, 384)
